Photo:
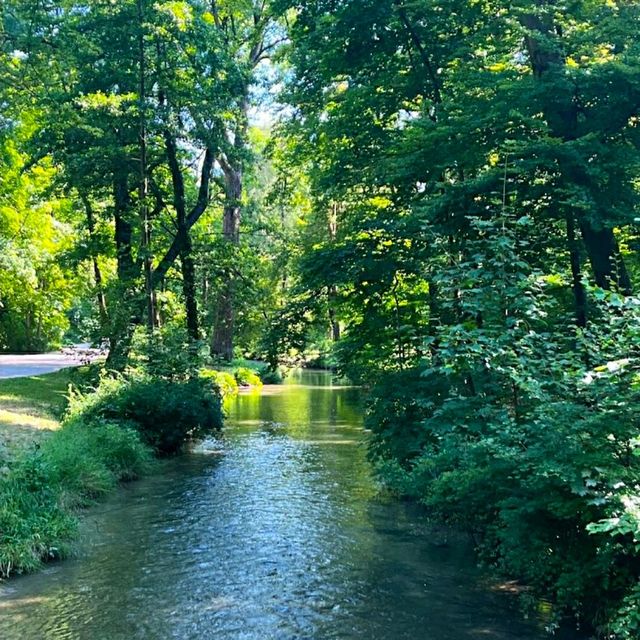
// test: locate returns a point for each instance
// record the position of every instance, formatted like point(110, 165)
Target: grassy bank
point(31, 409)
point(52, 466)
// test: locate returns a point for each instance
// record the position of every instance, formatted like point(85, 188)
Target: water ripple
point(277, 536)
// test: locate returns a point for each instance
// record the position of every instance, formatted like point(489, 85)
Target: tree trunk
point(184, 238)
point(222, 343)
point(189, 286)
point(224, 324)
point(97, 273)
point(102, 300)
point(333, 289)
point(434, 320)
point(224, 317)
point(121, 333)
point(606, 260)
point(123, 231)
point(579, 293)
point(143, 185)
point(546, 58)
point(333, 319)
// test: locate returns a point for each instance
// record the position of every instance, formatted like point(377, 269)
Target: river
point(275, 531)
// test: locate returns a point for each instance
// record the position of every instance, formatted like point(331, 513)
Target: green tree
point(483, 262)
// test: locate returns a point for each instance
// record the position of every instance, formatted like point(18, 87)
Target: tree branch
point(203, 193)
point(424, 56)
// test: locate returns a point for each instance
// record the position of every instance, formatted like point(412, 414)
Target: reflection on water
point(277, 534)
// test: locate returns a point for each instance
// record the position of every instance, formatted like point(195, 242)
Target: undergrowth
point(109, 435)
point(43, 489)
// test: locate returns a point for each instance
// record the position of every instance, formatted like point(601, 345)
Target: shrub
point(107, 437)
point(271, 376)
point(535, 452)
point(247, 377)
point(224, 382)
point(165, 413)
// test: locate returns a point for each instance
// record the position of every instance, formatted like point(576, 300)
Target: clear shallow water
point(276, 533)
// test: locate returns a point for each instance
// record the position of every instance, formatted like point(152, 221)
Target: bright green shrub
point(247, 377)
point(223, 381)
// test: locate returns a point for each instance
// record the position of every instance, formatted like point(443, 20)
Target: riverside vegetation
point(438, 199)
point(110, 432)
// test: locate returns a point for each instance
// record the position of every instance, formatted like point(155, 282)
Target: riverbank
point(53, 466)
point(30, 410)
point(279, 534)
point(49, 468)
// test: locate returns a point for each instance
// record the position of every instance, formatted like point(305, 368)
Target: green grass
point(40, 396)
point(223, 365)
point(49, 469)
point(41, 490)
point(31, 408)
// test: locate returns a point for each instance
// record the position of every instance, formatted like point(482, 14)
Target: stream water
point(274, 532)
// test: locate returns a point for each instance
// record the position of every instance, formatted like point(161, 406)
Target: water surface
point(275, 533)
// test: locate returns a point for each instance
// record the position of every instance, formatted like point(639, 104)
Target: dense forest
point(438, 199)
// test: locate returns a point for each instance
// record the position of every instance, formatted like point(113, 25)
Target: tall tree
point(137, 88)
point(486, 155)
point(250, 34)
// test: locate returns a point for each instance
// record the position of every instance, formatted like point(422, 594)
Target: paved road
point(19, 366)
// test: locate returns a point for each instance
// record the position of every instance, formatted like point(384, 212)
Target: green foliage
point(626, 623)
point(36, 287)
point(509, 435)
point(167, 354)
point(473, 229)
point(296, 332)
point(224, 381)
point(40, 491)
point(33, 525)
point(166, 413)
point(247, 377)
point(272, 376)
point(88, 460)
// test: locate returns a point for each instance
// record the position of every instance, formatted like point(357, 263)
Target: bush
point(535, 452)
point(224, 382)
point(165, 413)
point(108, 436)
point(271, 376)
point(247, 377)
